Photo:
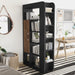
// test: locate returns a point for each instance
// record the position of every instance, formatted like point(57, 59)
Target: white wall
point(13, 41)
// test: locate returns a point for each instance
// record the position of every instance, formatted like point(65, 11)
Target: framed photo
point(60, 15)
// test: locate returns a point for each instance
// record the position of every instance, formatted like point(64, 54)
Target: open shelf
point(49, 50)
point(41, 33)
point(49, 39)
point(49, 14)
point(35, 54)
point(34, 20)
point(33, 43)
point(67, 47)
point(36, 67)
point(51, 60)
point(35, 31)
point(48, 67)
point(49, 25)
point(49, 28)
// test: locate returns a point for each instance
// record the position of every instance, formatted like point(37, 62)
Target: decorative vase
point(48, 57)
point(65, 37)
point(28, 57)
point(37, 61)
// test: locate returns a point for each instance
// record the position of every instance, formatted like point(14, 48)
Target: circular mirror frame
point(12, 25)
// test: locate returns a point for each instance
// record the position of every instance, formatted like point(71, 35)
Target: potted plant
point(48, 56)
point(36, 35)
point(66, 33)
point(3, 50)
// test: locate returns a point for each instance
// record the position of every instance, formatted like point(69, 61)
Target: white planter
point(48, 57)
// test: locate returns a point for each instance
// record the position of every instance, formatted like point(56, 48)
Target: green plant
point(47, 54)
point(36, 35)
point(38, 14)
point(66, 33)
point(3, 50)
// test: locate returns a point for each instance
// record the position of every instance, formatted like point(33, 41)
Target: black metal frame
point(44, 67)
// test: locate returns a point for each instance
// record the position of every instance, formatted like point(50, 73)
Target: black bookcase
point(44, 36)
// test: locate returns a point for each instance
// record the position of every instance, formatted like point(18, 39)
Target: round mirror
point(6, 24)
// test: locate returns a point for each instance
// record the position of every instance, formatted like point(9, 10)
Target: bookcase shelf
point(49, 50)
point(33, 43)
point(49, 14)
point(35, 67)
point(34, 20)
point(49, 25)
point(35, 54)
point(36, 29)
point(49, 61)
point(49, 39)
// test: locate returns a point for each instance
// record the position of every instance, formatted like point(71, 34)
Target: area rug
point(71, 73)
point(26, 70)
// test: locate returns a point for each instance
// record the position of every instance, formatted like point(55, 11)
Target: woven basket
point(11, 61)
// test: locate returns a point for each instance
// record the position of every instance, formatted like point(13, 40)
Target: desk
point(67, 40)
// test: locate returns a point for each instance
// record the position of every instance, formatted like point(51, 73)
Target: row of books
point(49, 46)
point(36, 49)
point(48, 21)
point(35, 26)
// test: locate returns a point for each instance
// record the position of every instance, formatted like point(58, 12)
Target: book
point(36, 49)
point(48, 9)
point(47, 21)
point(37, 26)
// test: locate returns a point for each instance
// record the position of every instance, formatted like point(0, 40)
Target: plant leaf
point(3, 50)
point(0, 48)
point(36, 35)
